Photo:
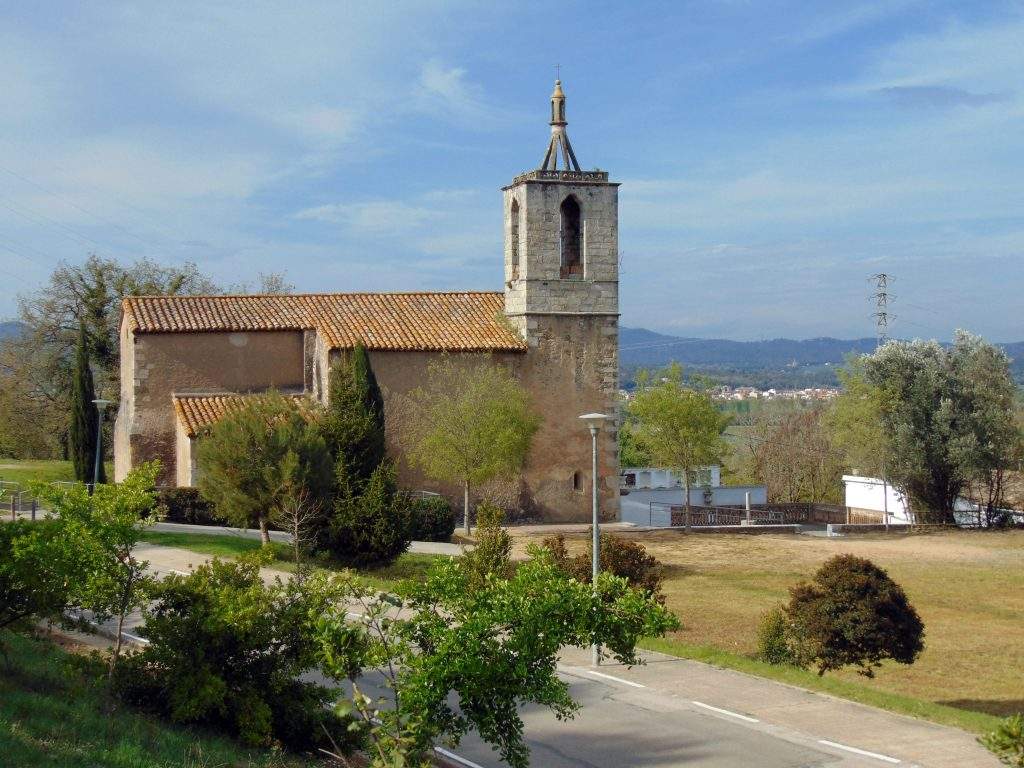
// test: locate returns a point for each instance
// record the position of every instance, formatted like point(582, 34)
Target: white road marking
point(180, 573)
point(727, 712)
point(612, 677)
point(856, 751)
point(456, 758)
point(136, 638)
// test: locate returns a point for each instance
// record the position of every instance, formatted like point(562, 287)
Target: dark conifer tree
point(354, 425)
point(83, 414)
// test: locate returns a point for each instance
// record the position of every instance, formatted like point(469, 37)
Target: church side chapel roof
point(434, 322)
point(197, 412)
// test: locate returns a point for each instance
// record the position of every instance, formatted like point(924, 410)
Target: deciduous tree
point(947, 415)
point(493, 649)
point(104, 529)
point(679, 428)
point(469, 425)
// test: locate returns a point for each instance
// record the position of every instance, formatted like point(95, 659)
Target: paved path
point(675, 713)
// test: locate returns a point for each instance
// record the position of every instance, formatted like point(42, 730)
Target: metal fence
point(666, 515)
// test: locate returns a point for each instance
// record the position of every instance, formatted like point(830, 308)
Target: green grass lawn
point(408, 566)
point(54, 713)
point(47, 471)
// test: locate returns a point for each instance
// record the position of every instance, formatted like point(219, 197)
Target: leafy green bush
point(433, 519)
point(226, 650)
point(1007, 741)
point(186, 505)
point(852, 613)
point(371, 527)
point(38, 571)
point(773, 644)
point(491, 556)
point(619, 556)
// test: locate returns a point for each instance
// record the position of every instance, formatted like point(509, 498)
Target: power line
point(72, 203)
point(44, 221)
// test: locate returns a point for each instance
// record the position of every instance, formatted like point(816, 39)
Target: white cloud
point(378, 217)
point(445, 92)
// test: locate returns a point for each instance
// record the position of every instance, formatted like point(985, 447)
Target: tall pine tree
point(83, 415)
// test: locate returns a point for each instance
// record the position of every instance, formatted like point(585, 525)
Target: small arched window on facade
point(577, 481)
point(514, 239)
point(571, 239)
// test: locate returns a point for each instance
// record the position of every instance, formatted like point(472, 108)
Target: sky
point(772, 155)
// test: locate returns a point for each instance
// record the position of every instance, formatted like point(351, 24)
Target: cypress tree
point(373, 404)
point(354, 425)
point(83, 414)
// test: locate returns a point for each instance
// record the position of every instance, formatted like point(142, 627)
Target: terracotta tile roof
point(463, 322)
point(196, 412)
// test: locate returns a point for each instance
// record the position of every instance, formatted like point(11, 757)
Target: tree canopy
point(944, 416)
point(470, 424)
point(678, 427)
point(255, 459)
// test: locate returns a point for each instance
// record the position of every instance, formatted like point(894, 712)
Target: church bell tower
point(561, 233)
point(562, 294)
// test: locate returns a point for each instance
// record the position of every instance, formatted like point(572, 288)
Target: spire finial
point(559, 137)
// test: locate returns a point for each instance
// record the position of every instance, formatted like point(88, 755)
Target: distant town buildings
point(725, 393)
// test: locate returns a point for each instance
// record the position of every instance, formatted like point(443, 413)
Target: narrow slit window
point(571, 239)
point(514, 239)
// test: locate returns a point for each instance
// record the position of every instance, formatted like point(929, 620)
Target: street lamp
point(101, 406)
point(594, 422)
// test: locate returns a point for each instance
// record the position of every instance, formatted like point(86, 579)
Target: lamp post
point(594, 422)
point(101, 406)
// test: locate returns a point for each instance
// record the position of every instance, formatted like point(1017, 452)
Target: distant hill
point(770, 363)
point(10, 328)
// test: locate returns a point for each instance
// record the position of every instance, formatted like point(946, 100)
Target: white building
point(869, 494)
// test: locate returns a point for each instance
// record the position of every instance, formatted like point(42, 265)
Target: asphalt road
point(619, 726)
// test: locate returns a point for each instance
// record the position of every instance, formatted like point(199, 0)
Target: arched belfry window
point(571, 239)
point(514, 238)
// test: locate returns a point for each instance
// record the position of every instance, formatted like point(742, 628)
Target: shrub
point(1007, 741)
point(186, 505)
point(371, 527)
point(38, 570)
point(773, 645)
point(226, 651)
point(852, 613)
point(433, 519)
point(619, 556)
point(491, 556)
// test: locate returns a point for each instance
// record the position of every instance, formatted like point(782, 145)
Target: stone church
point(188, 360)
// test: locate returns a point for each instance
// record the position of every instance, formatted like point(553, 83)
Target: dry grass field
point(968, 587)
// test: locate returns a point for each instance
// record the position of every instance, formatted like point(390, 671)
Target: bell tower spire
point(559, 136)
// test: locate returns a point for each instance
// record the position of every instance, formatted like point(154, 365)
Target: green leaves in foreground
point(494, 646)
point(1007, 741)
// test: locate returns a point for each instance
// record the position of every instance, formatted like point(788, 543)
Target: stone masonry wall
point(538, 287)
point(158, 365)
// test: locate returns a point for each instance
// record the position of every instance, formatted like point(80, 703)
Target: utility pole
point(882, 298)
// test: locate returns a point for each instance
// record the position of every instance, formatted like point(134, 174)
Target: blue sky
point(773, 155)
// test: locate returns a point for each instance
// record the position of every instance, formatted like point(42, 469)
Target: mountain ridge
point(773, 362)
